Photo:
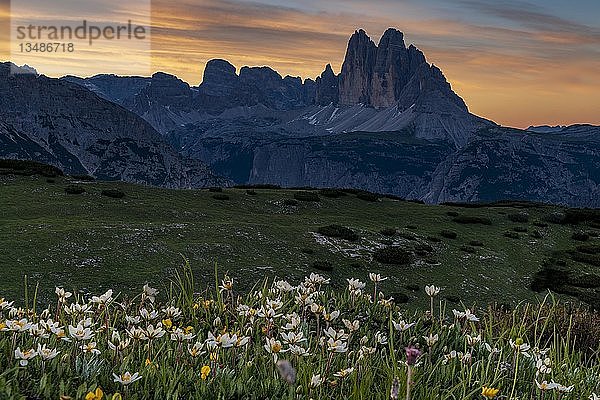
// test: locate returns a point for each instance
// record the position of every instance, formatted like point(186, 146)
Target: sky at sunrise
point(516, 62)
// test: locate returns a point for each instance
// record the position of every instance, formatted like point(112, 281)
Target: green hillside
point(91, 242)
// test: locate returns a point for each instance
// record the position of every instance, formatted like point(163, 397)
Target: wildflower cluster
point(306, 339)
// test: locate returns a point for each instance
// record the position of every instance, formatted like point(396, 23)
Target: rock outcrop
point(327, 91)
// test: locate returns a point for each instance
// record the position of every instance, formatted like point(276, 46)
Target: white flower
point(127, 378)
point(316, 380)
point(149, 293)
point(543, 366)
point(226, 285)
point(80, 333)
point(148, 315)
point(46, 353)
point(21, 325)
point(103, 299)
point(298, 351)
point(355, 286)
point(380, 338)
point(196, 349)
point(62, 294)
point(4, 304)
point(330, 317)
point(24, 357)
point(520, 347)
point(563, 389)
point(594, 396)
point(293, 338)
point(116, 344)
point(472, 341)
point(352, 326)
point(344, 373)
point(431, 339)
point(376, 278)
point(402, 325)
point(172, 312)
point(545, 385)
point(90, 348)
point(152, 332)
point(337, 346)
point(273, 347)
point(432, 290)
point(284, 286)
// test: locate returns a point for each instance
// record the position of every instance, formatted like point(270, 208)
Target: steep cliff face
point(59, 122)
point(503, 163)
point(357, 70)
point(327, 90)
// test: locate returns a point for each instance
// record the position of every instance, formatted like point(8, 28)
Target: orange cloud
point(541, 70)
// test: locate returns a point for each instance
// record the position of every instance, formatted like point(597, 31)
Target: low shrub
point(367, 196)
point(29, 168)
point(290, 202)
point(575, 216)
point(580, 236)
point(536, 234)
point(452, 214)
point(472, 219)
point(338, 231)
point(448, 234)
point(434, 239)
point(412, 227)
point(520, 217)
point(388, 231)
point(468, 249)
point(476, 243)
point(452, 298)
point(307, 250)
point(589, 248)
point(540, 224)
point(392, 255)
point(307, 196)
point(74, 189)
point(521, 229)
point(590, 259)
point(220, 196)
point(114, 193)
point(50, 180)
point(215, 189)
point(512, 235)
point(332, 193)
point(399, 297)
point(258, 186)
point(555, 217)
point(322, 265)
point(251, 192)
point(86, 178)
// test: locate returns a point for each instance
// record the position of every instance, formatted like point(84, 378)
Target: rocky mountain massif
point(389, 122)
point(57, 122)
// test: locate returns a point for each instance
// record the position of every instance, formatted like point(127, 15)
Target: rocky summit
point(388, 122)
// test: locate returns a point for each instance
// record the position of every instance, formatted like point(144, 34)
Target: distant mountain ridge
point(389, 122)
point(63, 124)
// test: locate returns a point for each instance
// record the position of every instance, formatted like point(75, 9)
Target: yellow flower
point(97, 395)
point(148, 362)
point(204, 372)
point(488, 392)
point(214, 356)
point(189, 329)
point(117, 396)
point(167, 323)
